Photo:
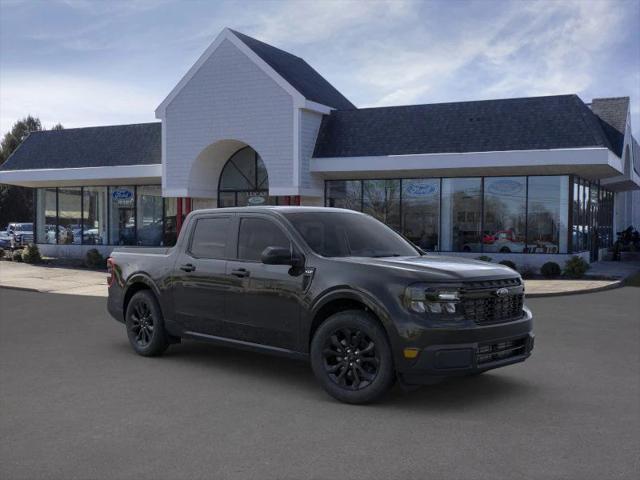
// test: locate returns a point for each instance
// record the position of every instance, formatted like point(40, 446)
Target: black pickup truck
point(333, 286)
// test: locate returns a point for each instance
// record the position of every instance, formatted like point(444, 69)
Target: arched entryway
point(244, 181)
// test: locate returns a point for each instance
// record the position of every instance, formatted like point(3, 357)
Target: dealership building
point(527, 179)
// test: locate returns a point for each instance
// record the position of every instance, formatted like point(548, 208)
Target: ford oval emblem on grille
point(502, 292)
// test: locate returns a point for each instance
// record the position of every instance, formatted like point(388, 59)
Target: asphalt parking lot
point(76, 402)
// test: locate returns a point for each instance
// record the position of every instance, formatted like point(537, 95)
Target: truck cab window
point(256, 234)
point(210, 237)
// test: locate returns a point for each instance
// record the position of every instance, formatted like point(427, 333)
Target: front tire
point(145, 325)
point(351, 357)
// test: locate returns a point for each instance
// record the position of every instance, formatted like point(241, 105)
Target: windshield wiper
point(387, 255)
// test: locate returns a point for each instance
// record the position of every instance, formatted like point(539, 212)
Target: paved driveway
point(77, 403)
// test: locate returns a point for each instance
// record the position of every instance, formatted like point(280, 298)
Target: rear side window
point(209, 238)
point(256, 234)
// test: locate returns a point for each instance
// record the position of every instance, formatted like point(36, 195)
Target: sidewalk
point(94, 283)
point(53, 279)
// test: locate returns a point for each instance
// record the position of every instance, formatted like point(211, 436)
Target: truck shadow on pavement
point(296, 376)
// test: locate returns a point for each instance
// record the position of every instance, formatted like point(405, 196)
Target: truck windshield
point(335, 234)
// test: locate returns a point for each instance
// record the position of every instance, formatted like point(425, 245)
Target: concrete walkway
point(93, 283)
point(53, 279)
point(552, 288)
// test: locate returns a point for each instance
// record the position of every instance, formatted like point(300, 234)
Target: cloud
point(376, 52)
point(528, 49)
point(72, 100)
point(314, 21)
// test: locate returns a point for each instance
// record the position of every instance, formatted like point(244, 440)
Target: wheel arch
point(342, 300)
point(136, 283)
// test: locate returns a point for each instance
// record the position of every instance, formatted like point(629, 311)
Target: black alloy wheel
point(142, 323)
point(145, 325)
point(350, 358)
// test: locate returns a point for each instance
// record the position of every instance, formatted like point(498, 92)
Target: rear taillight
point(110, 272)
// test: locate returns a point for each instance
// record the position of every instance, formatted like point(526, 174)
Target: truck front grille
point(494, 352)
point(488, 310)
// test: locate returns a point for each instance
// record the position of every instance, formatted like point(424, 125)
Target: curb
point(24, 289)
point(616, 284)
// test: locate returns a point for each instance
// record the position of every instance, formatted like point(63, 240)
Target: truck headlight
point(432, 300)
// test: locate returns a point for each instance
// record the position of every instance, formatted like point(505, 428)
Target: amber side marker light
point(411, 353)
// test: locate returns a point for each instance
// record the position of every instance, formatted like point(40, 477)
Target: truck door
point(263, 302)
point(200, 282)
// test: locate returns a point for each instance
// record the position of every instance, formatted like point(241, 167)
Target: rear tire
point(145, 325)
point(351, 357)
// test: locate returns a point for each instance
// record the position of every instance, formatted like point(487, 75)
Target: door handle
point(189, 267)
point(240, 272)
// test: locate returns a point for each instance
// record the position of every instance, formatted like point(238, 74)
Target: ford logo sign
point(421, 189)
point(256, 200)
point(122, 194)
point(502, 292)
point(505, 187)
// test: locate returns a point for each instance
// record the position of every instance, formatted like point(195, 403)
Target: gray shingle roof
point(534, 123)
point(613, 116)
point(298, 73)
point(137, 144)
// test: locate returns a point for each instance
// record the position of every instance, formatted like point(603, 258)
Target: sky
point(102, 62)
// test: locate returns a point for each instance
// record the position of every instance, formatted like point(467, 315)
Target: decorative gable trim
point(298, 99)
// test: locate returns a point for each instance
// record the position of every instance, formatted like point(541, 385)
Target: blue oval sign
point(421, 189)
point(505, 187)
point(256, 200)
point(122, 194)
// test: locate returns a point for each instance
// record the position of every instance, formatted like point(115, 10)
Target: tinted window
point(348, 235)
point(210, 237)
point(257, 234)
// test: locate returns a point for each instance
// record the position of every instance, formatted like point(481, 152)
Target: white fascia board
point(304, 192)
point(175, 192)
point(227, 34)
point(82, 176)
point(316, 107)
point(455, 161)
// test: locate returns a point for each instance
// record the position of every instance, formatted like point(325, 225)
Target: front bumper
point(451, 352)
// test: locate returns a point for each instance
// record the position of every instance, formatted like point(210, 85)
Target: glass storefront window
point(170, 222)
point(381, 200)
point(344, 194)
point(421, 211)
point(149, 215)
point(505, 210)
point(46, 216)
point(461, 214)
point(70, 216)
point(547, 218)
point(122, 220)
point(94, 215)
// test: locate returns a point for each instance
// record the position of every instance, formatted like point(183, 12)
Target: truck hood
point(438, 268)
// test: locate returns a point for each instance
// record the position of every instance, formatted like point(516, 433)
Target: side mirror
point(281, 256)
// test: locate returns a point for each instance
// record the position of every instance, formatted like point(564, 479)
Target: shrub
point(94, 259)
point(527, 271)
point(508, 263)
point(1, 252)
point(31, 254)
point(575, 267)
point(16, 256)
point(484, 258)
point(550, 269)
